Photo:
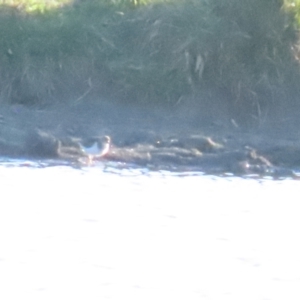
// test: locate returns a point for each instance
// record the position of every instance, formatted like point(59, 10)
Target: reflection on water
point(107, 232)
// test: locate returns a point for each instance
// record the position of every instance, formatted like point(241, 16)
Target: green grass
point(42, 6)
point(148, 54)
point(34, 6)
point(293, 7)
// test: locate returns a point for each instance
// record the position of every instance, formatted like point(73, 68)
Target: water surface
point(106, 232)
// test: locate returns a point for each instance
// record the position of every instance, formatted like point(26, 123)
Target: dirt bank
point(161, 139)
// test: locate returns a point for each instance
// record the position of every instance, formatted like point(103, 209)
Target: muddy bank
point(211, 85)
point(158, 139)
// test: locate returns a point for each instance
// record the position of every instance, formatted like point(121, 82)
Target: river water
point(116, 232)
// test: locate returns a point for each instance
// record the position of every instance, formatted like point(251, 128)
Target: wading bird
point(96, 148)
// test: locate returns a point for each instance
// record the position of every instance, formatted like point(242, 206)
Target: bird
point(95, 148)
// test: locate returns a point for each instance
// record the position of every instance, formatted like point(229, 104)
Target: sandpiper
point(96, 148)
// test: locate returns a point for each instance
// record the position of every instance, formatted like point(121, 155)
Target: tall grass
point(155, 54)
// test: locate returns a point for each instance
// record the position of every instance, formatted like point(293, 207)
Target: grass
point(148, 54)
point(43, 6)
point(35, 6)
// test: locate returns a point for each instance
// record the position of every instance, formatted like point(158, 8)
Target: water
point(110, 233)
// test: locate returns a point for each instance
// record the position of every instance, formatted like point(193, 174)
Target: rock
point(129, 155)
point(202, 143)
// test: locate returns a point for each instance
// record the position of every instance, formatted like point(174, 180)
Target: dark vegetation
point(208, 84)
point(174, 54)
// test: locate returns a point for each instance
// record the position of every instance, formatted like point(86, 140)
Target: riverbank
point(158, 141)
point(164, 81)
